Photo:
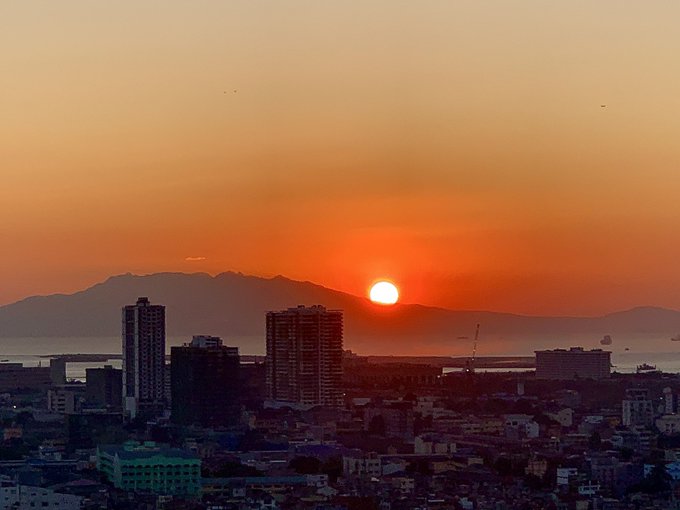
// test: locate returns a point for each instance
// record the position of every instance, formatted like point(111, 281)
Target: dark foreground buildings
point(14, 376)
point(205, 383)
point(304, 356)
point(104, 387)
point(575, 363)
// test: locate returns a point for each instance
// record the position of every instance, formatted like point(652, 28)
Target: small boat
point(647, 369)
point(676, 338)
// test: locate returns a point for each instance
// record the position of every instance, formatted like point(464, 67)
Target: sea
point(622, 362)
point(38, 351)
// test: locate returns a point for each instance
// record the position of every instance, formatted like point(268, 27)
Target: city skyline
point(483, 155)
point(303, 255)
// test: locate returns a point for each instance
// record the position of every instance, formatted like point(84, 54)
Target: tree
point(377, 426)
point(304, 465)
point(333, 468)
point(533, 482)
point(656, 482)
point(595, 441)
point(231, 469)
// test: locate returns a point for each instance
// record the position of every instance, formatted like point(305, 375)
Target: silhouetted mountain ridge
point(233, 305)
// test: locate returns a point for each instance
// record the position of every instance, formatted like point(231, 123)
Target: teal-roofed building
point(149, 467)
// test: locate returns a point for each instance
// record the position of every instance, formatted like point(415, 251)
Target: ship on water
point(646, 368)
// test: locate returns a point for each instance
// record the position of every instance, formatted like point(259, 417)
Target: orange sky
point(458, 148)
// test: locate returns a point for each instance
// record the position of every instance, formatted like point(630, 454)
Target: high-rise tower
point(304, 356)
point(143, 358)
point(205, 383)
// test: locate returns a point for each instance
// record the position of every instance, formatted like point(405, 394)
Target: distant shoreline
point(459, 362)
point(438, 361)
point(100, 358)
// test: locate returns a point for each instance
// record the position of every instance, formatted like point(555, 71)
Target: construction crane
point(470, 365)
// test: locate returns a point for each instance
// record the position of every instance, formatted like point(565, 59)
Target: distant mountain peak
point(233, 305)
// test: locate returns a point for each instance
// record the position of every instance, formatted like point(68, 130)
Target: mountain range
point(232, 305)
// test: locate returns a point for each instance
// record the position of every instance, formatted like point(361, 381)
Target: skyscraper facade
point(205, 383)
point(143, 357)
point(304, 356)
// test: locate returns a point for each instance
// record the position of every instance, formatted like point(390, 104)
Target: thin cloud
point(194, 259)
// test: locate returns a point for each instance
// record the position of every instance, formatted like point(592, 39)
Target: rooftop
point(133, 450)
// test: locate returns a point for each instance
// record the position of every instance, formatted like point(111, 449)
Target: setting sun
point(384, 293)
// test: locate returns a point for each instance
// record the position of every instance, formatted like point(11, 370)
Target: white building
point(24, 497)
point(668, 401)
point(63, 401)
point(589, 489)
point(638, 409)
point(564, 475)
point(522, 422)
point(362, 465)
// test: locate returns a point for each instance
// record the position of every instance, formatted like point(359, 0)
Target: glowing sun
point(384, 293)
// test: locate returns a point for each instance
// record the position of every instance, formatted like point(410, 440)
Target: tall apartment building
point(304, 356)
point(205, 385)
point(575, 363)
point(143, 358)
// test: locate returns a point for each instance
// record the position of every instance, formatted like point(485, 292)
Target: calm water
point(625, 363)
point(29, 351)
point(38, 346)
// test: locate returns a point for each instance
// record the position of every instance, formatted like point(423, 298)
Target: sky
point(510, 156)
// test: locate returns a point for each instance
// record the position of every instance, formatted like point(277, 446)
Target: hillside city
point(313, 426)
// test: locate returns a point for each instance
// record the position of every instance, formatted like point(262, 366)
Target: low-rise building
point(150, 468)
point(565, 475)
point(63, 401)
point(589, 489)
point(523, 424)
point(237, 487)
point(14, 376)
point(565, 416)
point(24, 497)
point(104, 387)
point(433, 444)
point(575, 363)
point(397, 421)
point(537, 467)
point(361, 465)
point(637, 408)
point(668, 424)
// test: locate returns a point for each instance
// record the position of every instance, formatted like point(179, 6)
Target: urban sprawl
point(312, 426)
